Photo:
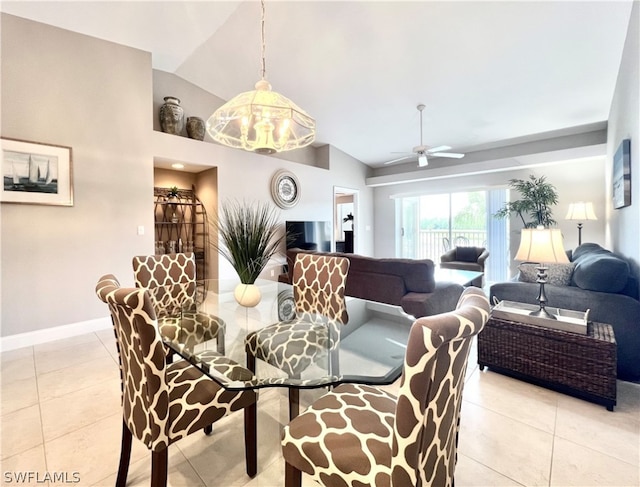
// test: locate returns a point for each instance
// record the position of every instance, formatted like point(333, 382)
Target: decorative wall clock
point(285, 189)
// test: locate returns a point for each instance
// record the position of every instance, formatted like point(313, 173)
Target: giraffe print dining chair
point(292, 346)
point(365, 436)
point(171, 281)
point(162, 402)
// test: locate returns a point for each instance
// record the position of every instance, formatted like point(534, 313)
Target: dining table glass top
point(205, 325)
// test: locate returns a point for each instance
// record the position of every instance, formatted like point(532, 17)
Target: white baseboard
point(31, 338)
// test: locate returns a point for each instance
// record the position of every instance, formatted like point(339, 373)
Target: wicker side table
point(583, 366)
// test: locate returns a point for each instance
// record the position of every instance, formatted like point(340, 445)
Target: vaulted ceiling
point(486, 71)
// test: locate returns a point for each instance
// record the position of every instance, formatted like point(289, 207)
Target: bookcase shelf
point(181, 225)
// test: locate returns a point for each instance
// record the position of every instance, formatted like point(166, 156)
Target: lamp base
point(542, 313)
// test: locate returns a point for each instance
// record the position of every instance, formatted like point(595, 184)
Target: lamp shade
point(581, 211)
point(542, 245)
point(261, 121)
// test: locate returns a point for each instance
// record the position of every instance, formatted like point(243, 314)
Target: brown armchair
point(467, 259)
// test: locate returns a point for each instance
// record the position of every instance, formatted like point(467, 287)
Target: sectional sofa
point(402, 282)
point(598, 280)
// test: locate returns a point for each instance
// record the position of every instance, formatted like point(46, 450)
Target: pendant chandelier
point(262, 120)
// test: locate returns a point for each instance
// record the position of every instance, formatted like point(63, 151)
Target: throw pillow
point(558, 274)
point(466, 254)
point(587, 249)
point(603, 272)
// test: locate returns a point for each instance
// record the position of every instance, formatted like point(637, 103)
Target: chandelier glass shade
point(262, 120)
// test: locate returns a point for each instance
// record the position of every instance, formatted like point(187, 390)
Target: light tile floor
point(60, 412)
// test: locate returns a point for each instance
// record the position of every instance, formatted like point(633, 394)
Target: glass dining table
point(210, 330)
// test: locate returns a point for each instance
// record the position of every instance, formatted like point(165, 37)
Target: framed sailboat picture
point(35, 173)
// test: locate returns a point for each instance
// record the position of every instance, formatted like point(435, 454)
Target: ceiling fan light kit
point(262, 120)
point(423, 151)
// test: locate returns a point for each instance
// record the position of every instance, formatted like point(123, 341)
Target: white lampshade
point(541, 245)
point(581, 211)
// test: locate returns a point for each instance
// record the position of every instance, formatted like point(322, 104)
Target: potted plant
point(173, 192)
point(537, 198)
point(248, 237)
point(348, 218)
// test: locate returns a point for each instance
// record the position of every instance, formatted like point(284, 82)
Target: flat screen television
point(309, 235)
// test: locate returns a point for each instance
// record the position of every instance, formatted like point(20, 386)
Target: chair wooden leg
point(159, 461)
point(251, 439)
point(208, 429)
point(292, 476)
point(125, 456)
point(251, 362)
point(294, 403)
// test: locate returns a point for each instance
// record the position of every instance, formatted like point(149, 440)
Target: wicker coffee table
point(583, 366)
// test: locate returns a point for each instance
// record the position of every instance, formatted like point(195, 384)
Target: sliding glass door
point(434, 223)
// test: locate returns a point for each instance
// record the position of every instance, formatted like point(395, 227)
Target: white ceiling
point(486, 71)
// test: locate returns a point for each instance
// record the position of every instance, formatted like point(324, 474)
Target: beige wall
point(623, 233)
point(99, 98)
point(62, 88)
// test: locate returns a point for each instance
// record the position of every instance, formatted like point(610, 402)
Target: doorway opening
point(345, 218)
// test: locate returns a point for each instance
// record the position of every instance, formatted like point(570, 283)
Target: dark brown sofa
point(402, 282)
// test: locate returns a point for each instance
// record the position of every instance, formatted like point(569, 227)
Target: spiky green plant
point(538, 197)
point(248, 237)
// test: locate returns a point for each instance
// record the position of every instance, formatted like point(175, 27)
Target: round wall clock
point(286, 306)
point(285, 189)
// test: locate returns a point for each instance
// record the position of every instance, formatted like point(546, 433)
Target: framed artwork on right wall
point(622, 175)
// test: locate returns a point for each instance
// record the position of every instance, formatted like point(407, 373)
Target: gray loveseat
point(402, 282)
point(596, 279)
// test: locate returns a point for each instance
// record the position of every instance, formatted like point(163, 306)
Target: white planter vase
point(247, 295)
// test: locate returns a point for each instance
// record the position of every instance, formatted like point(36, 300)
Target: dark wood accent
point(159, 460)
point(125, 456)
point(294, 402)
point(292, 476)
point(251, 439)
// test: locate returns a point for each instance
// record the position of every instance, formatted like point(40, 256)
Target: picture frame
point(35, 173)
point(622, 175)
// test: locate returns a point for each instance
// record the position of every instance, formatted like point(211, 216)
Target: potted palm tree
point(537, 198)
point(248, 237)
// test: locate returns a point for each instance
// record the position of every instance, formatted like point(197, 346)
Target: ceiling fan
point(423, 151)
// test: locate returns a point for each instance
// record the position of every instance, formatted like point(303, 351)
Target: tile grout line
point(553, 444)
point(44, 443)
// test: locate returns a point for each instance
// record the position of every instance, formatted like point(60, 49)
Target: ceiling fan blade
point(440, 148)
point(399, 159)
point(450, 155)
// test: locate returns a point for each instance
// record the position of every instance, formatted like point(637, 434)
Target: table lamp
point(542, 246)
point(581, 211)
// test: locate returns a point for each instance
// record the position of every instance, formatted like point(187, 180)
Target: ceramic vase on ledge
point(247, 295)
point(171, 116)
point(195, 128)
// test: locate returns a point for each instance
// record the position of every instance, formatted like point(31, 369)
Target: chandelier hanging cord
point(264, 45)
